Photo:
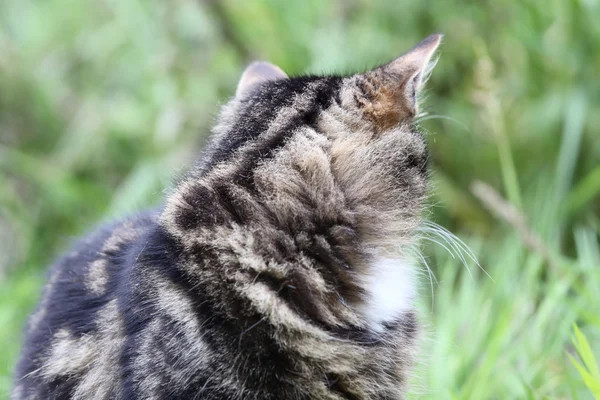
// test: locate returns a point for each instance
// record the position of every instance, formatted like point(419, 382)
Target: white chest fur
point(390, 288)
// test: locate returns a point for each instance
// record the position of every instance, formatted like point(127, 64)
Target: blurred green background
point(103, 103)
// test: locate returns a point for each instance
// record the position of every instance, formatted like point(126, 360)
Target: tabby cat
point(277, 268)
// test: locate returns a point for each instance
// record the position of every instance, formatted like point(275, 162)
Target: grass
point(588, 369)
point(103, 103)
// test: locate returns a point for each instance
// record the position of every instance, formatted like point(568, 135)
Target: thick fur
point(255, 278)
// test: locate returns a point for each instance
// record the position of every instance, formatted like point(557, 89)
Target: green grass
point(103, 103)
point(588, 369)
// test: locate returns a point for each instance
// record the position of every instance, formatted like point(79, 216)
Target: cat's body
point(276, 269)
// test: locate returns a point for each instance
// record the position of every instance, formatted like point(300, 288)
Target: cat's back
point(78, 327)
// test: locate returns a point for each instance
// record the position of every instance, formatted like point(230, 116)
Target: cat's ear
point(258, 72)
point(390, 92)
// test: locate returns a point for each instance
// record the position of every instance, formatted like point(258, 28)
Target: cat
point(277, 268)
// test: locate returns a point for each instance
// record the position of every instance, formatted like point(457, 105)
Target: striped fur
point(254, 280)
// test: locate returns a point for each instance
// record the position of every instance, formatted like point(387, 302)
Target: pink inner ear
point(256, 73)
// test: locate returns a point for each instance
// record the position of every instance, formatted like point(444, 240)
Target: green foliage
point(589, 371)
point(103, 103)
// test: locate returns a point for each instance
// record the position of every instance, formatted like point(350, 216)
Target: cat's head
point(316, 153)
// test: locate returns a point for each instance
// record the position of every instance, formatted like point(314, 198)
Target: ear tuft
point(256, 73)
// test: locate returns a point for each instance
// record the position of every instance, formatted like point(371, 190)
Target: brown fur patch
point(383, 99)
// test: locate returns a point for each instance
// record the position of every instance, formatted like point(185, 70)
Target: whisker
point(460, 243)
point(450, 240)
point(457, 244)
point(431, 277)
point(440, 244)
point(426, 117)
